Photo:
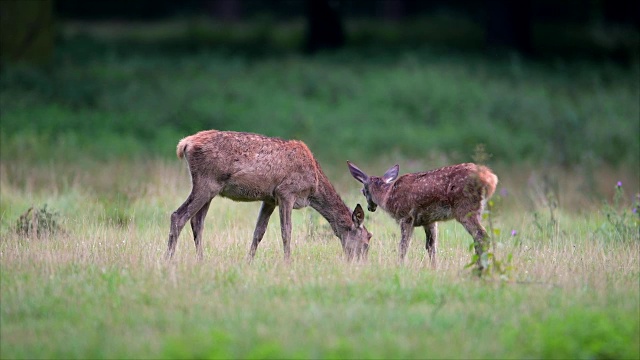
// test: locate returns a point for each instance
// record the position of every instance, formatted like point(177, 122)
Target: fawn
point(422, 199)
point(251, 167)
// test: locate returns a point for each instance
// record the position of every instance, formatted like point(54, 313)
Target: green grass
point(101, 288)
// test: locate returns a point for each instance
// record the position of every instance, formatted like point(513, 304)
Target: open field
point(101, 288)
point(93, 137)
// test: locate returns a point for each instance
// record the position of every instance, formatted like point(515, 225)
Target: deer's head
point(356, 239)
point(373, 183)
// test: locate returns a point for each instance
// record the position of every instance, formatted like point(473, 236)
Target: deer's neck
point(328, 203)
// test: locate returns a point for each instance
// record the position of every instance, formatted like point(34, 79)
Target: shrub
point(38, 223)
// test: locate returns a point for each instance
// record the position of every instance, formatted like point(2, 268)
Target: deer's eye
point(363, 192)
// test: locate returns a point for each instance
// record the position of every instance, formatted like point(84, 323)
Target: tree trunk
point(225, 10)
point(26, 31)
point(509, 25)
point(324, 27)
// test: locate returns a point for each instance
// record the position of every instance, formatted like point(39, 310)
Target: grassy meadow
point(93, 137)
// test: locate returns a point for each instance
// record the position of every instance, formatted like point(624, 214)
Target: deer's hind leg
point(431, 243)
point(261, 226)
point(471, 223)
point(199, 196)
point(197, 224)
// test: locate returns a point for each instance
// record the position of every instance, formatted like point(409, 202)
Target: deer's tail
point(488, 179)
point(183, 144)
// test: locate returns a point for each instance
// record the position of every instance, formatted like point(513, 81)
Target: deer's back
point(251, 166)
point(435, 195)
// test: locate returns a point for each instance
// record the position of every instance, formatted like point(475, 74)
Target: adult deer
point(422, 199)
point(252, 167)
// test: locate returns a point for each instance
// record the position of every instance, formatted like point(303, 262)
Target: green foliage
point(118, 104)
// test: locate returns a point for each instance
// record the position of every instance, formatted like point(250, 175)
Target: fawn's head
point(374, 182)
point(356, 239)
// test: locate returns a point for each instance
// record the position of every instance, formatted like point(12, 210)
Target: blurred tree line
point(28, 25)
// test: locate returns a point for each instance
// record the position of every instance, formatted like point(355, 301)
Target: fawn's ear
point(357, 173)
point(391, 174)
point(358, 215)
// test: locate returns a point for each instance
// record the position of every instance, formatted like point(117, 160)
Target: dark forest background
point(533, 28)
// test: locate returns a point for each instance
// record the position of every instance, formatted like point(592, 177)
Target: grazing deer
point(422, 199)
point(252, 167)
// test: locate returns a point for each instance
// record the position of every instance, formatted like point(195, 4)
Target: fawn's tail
point(488, 179)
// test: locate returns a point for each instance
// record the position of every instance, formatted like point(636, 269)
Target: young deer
point(252, 167)
point(421, 199)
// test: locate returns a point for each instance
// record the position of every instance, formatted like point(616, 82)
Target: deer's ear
point(391, 174)
point(357, 173)
point(358, 215)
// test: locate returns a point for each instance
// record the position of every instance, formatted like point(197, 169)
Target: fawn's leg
point(197, 224)
point(261, 226)
point(431, 244)
point(472, 224)
point(406, 231)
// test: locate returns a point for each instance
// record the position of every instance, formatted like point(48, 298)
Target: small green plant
point(117, 209)
point(480, 154)
point(623, 222)
point(488, 261)
point(38, 222)
point(545, 194)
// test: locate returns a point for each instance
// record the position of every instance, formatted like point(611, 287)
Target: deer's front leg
point(286, 206)
point(406, 231)
point(261, 226)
